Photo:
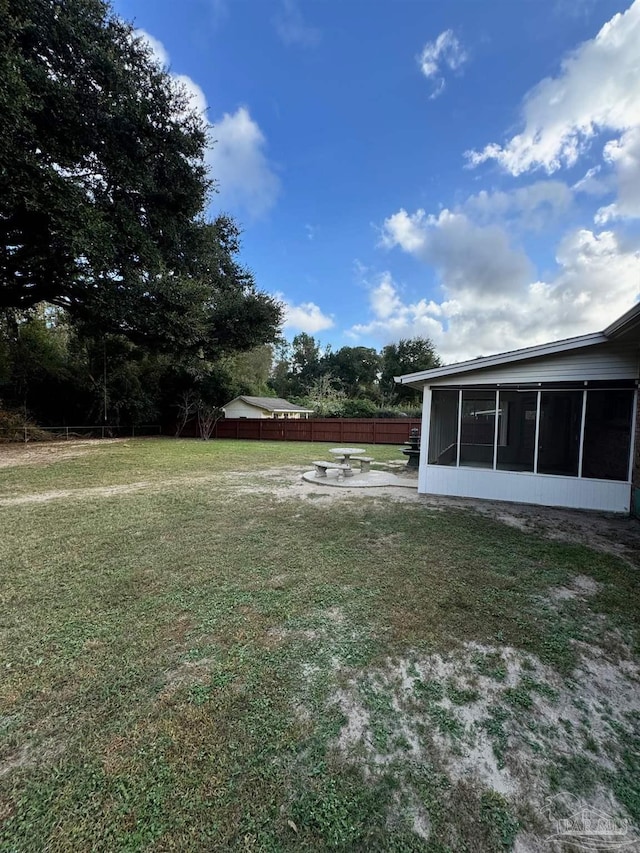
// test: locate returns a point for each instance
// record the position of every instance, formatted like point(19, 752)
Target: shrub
point(13, 425)
point(359, 408)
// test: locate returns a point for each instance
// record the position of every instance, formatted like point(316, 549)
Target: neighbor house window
point(607, 435)
point(443, 431)
point(477, 428)
point(559, 439)
point(517, 430)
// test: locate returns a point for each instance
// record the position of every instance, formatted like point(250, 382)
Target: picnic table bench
point(321, 468)
point(365, 462)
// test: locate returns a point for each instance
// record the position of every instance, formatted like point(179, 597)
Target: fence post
point(26, 439)
point(133, 430)
point(66, 431)
point(260, 430)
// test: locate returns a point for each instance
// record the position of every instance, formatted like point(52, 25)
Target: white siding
point(546, 490)
point(608, 361)
point(240, 409)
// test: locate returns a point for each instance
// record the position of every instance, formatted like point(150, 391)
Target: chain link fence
point(61, 433)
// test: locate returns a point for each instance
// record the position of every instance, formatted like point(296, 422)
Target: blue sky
point(466, 171)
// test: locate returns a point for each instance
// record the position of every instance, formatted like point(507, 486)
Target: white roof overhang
point(418, 380)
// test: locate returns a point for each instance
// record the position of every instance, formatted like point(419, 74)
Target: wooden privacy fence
point(344, 431)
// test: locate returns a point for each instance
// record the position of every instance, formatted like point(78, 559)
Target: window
point(560, 424)
point(517, 430)
point(477, 428)
point(443, 431)
point(607, 435)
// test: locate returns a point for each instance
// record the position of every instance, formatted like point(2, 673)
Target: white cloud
point(445, 52)
point(237, 160)
point(598, 88)
point(624, 155)
point(239, 163)
point(491, 300)
point(385, 301)
point(291, 27)
point(305, 317)
point(394, 319)
point(531, 206)
point(155, 45)
point(594, 183)
point(468, 257)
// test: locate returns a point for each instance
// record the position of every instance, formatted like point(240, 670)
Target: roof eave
point(419, 379)
point(628, 320)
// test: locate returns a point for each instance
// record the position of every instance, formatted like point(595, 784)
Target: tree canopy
point(409, 355)
point(357, 368)
point(354, 381)
point(103, 188)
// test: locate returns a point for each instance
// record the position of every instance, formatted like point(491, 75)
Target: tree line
point(119, 295)
point(351, 381)
point(54, 372)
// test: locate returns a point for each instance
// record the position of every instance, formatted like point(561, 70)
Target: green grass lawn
point(223, 658)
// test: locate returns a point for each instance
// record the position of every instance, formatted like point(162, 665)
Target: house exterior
point(264, 407)
point(555, 424)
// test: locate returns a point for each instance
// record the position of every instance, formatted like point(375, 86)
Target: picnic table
point(344, 454)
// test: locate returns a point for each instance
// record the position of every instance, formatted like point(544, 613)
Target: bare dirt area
point(497, 720)
point(606, 532)
point(12, 455)
point(75, 494)
point(609, 533)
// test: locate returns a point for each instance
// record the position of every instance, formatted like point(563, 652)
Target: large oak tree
point(103, 189)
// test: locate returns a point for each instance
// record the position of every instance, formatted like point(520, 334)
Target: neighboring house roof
point(628, 323)
point(269, 404)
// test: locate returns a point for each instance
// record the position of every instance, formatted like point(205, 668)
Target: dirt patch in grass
point(499, 721)
point(581, 586)
point(12, 455)
point(30, 755)
point(75, 494)
point(611, 534)
point(186, 675)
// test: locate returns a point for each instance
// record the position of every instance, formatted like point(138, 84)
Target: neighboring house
point(552, 424)
point(264, 407)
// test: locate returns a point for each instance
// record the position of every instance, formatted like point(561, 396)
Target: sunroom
point(553, 424)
